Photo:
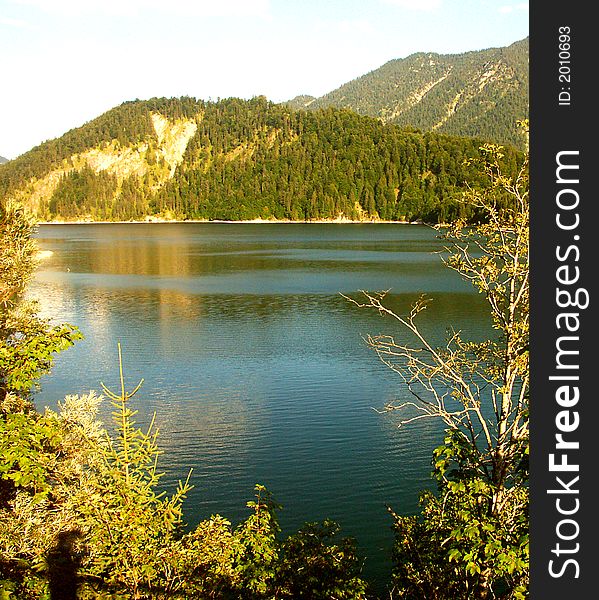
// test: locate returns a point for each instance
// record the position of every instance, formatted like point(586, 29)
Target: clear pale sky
point(64, 62)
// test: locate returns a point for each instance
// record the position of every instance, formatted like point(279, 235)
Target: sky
point(65, 62)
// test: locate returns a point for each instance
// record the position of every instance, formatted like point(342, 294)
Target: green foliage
point(316, 564)
point(257, 548)
point(28, 445)
point(17, 251)
point(458, 547)
point(479, 94)
point(83, 192)
point(41, 479)
point(125, 520)
point(253, 159)
point(27, 343)
point(28, 350)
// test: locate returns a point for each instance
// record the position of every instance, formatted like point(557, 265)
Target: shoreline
point(242, 221)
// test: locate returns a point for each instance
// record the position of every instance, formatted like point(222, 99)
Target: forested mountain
point(480, 93)
point(3, 160)
point(244, 159)
point(301, 101)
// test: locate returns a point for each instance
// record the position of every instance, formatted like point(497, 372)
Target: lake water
point(254, 363)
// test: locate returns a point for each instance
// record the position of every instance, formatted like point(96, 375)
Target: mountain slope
point(3, 160)
point(480, 93)
point(300, 102)
point(237, 159)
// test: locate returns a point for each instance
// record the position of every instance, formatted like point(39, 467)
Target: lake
point(254, 363)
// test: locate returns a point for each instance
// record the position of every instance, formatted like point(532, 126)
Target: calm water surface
point(254, 363)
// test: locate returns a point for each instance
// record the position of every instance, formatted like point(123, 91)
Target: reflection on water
point(252, 360)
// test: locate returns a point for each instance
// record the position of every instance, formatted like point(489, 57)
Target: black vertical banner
point(564, 298)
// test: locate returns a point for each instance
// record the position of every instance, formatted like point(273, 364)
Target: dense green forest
point(247, 159)
point(481, 93)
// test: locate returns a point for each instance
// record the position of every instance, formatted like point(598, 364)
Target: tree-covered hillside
point(480, 93)
point(300, 102)
point(236, 159)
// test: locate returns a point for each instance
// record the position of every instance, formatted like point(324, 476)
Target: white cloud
point(189, 8)
point(423, 5)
